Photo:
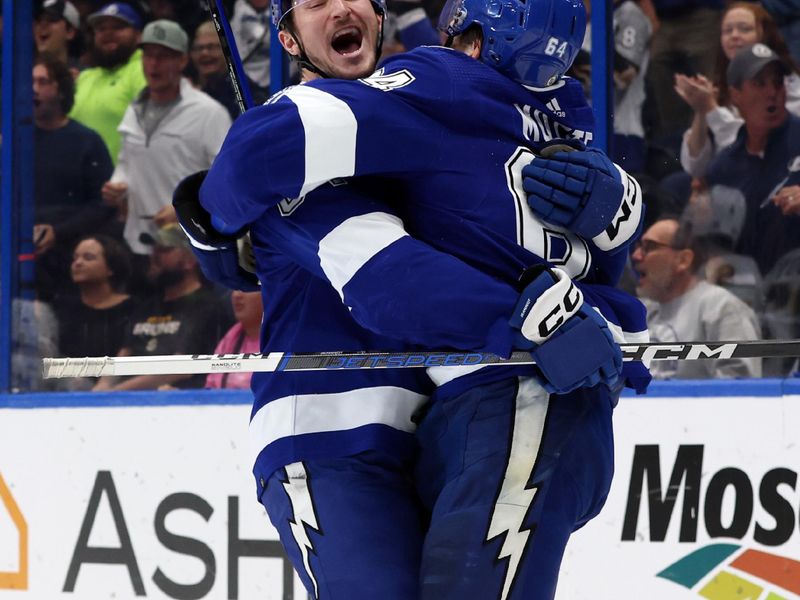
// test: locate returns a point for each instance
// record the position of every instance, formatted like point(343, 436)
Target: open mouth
point(347, 41)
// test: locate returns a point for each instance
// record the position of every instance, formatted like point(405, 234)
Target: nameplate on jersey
point(539, 127)
point(388, 82)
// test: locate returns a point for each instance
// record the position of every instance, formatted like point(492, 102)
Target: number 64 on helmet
point(531, 41)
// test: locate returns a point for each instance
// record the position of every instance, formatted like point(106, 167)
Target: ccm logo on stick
point(678, 351)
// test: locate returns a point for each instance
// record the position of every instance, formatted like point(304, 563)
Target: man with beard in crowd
point(183, 318)
point(104, 92)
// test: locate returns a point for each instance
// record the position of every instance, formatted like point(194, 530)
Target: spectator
point(184, 318)
point(682, 44)
point(187, 13)
point(56, 31)
point(170, 131)
point(717, 216)
point(782, 310)
point(242, 337)
point(682, 307)
point(787, 14)
point(211, 70)
point(250, 25)
point(764, 161)
point(35, 334)
point(716, 121)
point(95, 321)
point(632, 32)
point(71, 163)
point(105, 91)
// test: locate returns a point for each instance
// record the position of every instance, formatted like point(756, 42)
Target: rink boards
point(149, 495)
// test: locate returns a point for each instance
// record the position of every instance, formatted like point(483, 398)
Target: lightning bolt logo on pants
point(516, 496)
point(299, 493)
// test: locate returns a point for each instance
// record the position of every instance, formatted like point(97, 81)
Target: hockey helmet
point(531, 41)
point(281, 8)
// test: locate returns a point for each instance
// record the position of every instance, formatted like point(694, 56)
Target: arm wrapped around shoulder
point(570, 341)
point(581, 190)
point(225, 258)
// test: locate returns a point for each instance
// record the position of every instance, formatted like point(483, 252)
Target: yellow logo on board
point(15, 580)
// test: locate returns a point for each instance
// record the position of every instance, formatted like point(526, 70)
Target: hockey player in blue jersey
point(356, 243)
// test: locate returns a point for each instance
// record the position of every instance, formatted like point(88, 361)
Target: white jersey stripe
point(330, 135)
point(317, 413)
point(351, 244)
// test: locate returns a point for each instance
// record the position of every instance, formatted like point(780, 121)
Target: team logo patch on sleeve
point(388, 82)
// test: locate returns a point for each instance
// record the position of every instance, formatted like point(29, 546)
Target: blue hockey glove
point(584, 192)
point(570, 341)
point(224, 258)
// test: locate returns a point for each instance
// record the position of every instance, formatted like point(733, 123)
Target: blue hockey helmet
point(281, 8)
point(531, 41)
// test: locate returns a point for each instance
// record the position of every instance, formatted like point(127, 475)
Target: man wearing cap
point(104, 91)
point(55, 31)
point(184, 317)
point(168, 132)
point(764, 161)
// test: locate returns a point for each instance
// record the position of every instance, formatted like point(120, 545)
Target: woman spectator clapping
point(716, 122)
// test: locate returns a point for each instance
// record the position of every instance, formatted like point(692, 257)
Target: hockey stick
point(325, 361)
point(235, 69)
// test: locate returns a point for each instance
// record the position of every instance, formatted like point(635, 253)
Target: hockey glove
point(224, 258)
point(570, 341)
point(584, 192)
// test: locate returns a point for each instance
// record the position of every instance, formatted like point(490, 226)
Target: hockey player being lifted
point(405, 191)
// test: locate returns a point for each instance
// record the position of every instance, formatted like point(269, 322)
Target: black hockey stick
point(325, 361)
point(229, 50)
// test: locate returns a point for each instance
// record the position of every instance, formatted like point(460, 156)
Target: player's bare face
point(339, 36)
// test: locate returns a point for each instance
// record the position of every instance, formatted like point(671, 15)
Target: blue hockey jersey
point(437, 142)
